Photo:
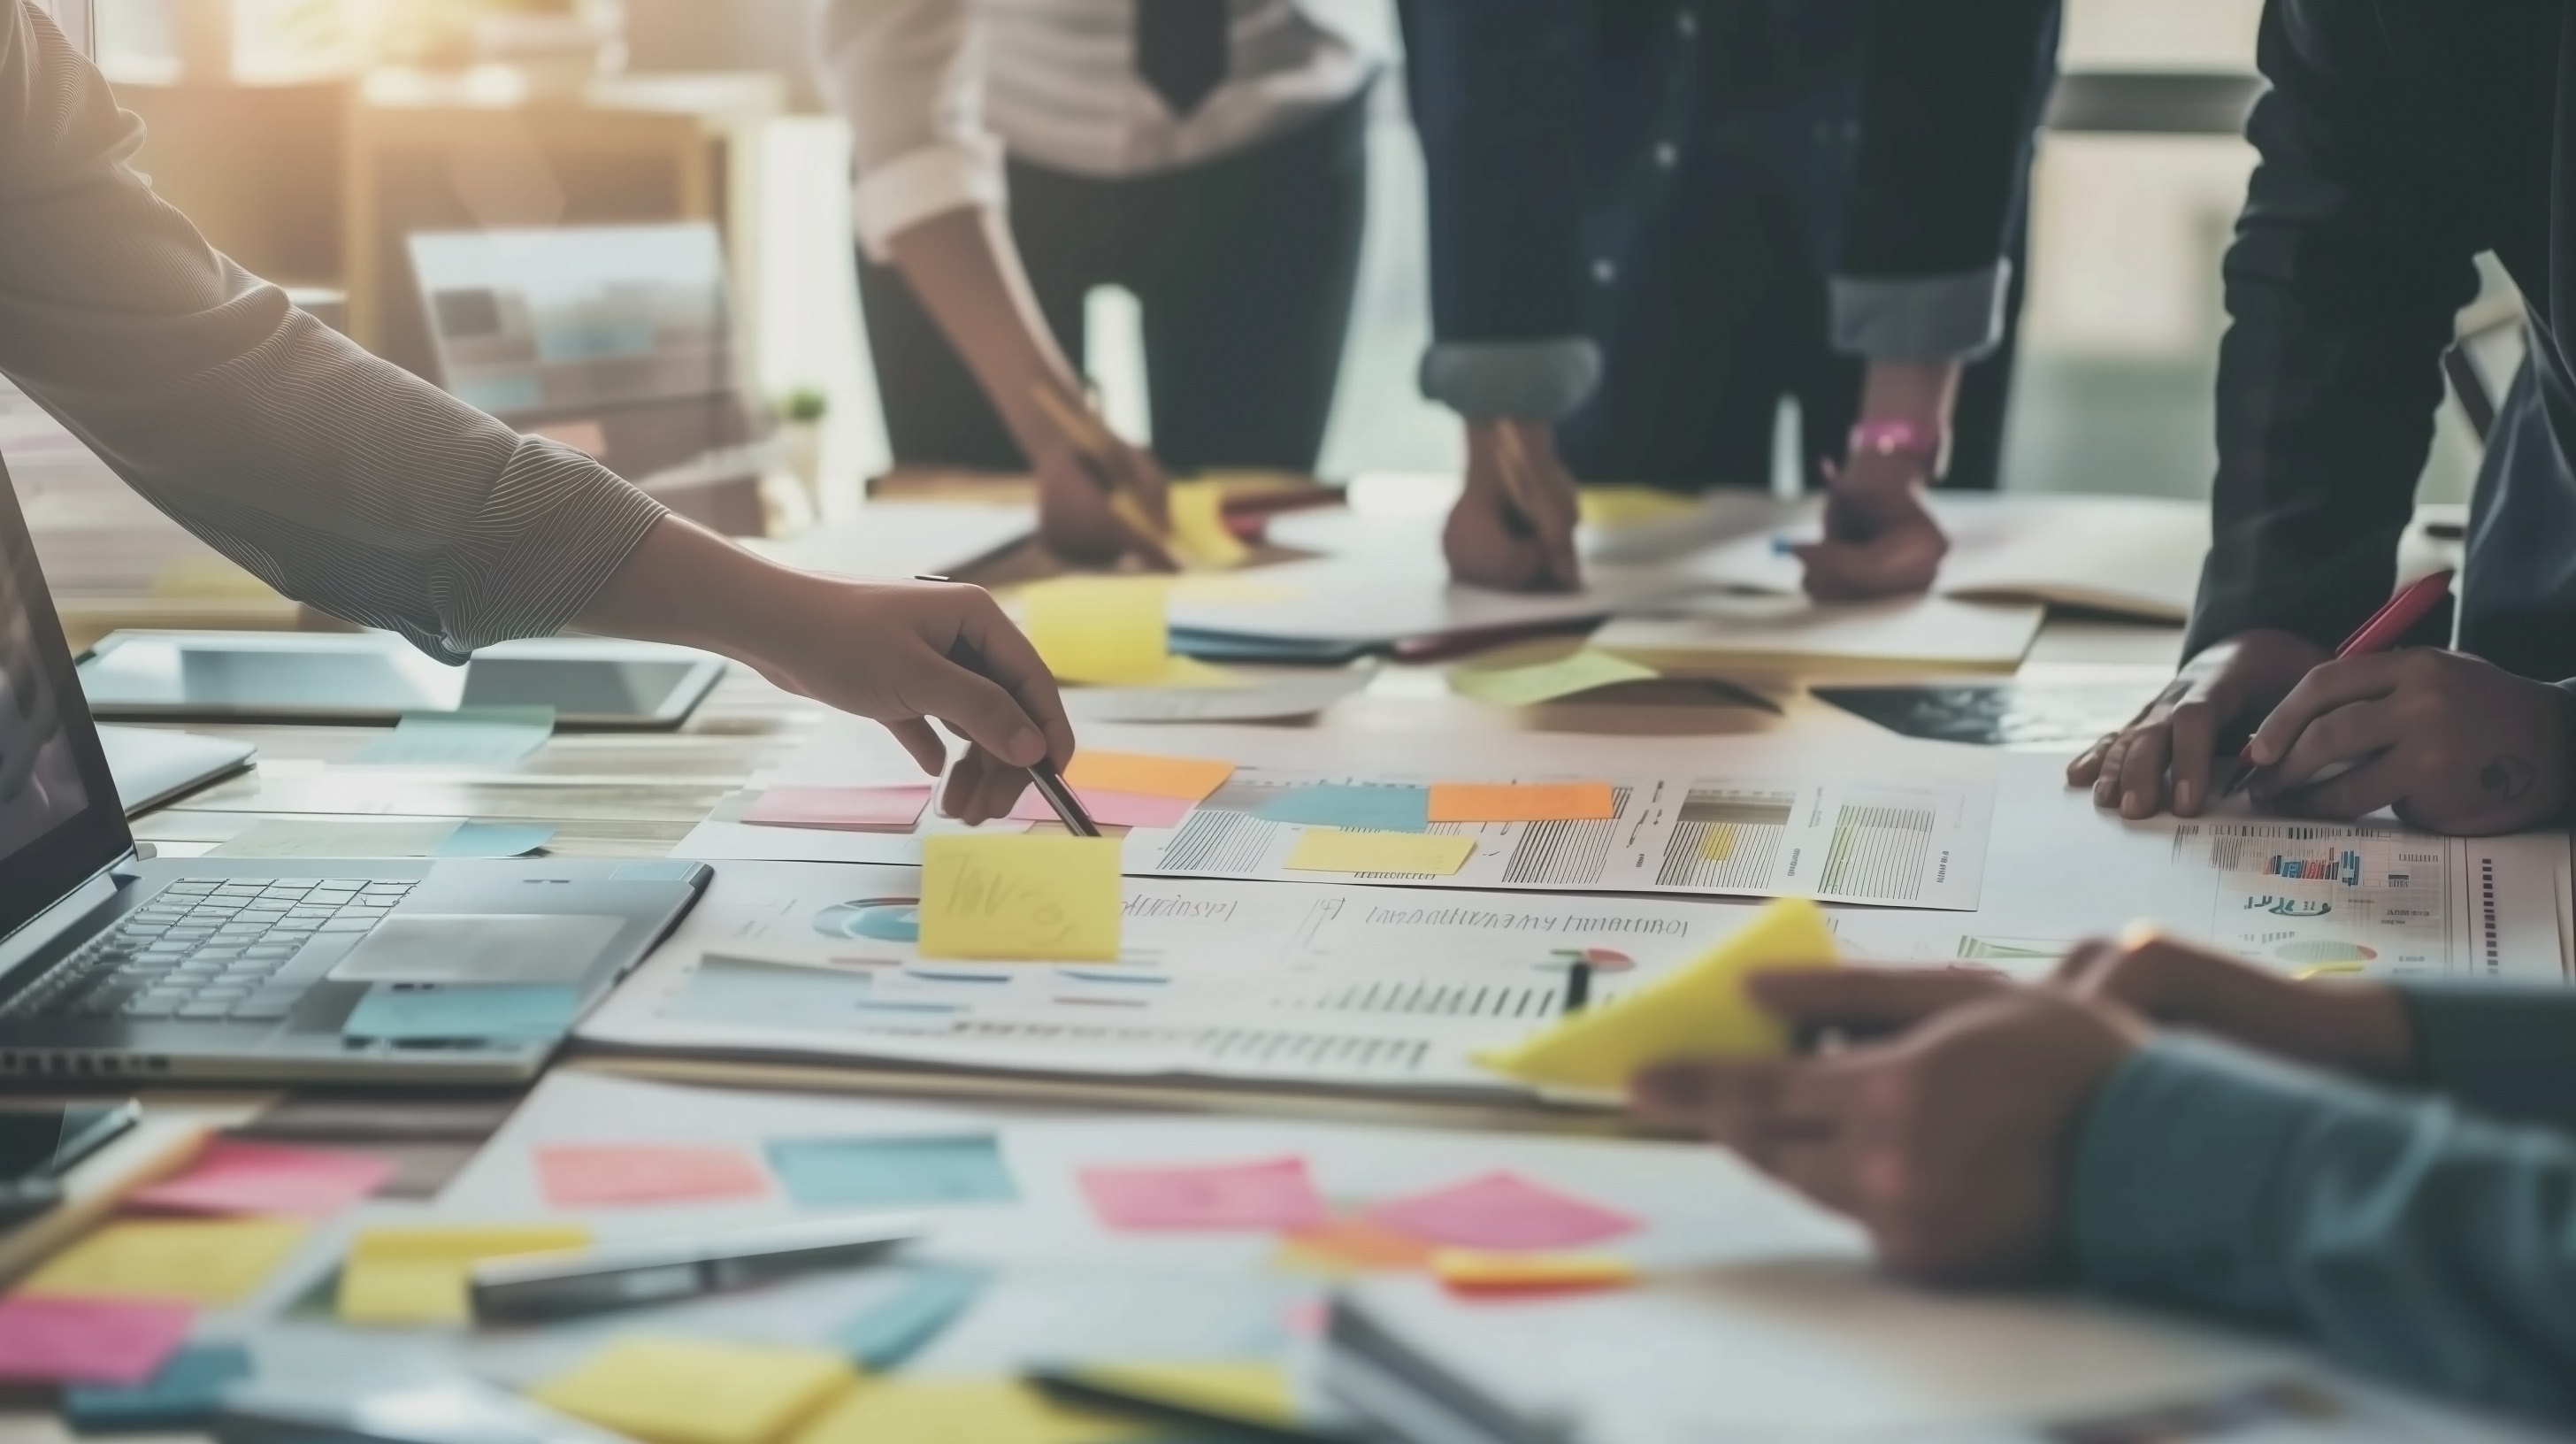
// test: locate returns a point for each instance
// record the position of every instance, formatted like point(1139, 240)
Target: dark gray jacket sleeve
point(338, 478)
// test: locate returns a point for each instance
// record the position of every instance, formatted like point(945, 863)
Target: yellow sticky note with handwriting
point(1254, 1389)
point(204, 1261)
point(684, 1391)
point(1699, 1010)
point(1335, 849)
point(963, 1411)
point(417, 1275)
point(1105, 631)
point(1027, 895)
point(1199, 531)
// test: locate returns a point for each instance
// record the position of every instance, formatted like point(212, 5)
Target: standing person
point(345, 481)
point(1650, 221)
point(2398, 140)
point(1208, 155)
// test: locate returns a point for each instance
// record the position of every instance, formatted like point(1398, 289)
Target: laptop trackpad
point(549, 948)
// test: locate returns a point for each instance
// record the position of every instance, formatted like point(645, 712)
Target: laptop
point(465, 971)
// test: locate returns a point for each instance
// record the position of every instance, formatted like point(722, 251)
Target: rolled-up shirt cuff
point(1955, 317)
point(2178, 1171)
point(1518, 380)
point(892, 198)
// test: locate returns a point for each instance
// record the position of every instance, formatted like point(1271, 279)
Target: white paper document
point(1260, 694)
point(2131, 554)
point(1385, 595)
point(1888, 821)
point(1719, 630)
point(2282, 892)
point(1333, 984)
point(907, 538)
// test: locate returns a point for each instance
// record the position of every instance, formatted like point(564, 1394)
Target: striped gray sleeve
point(336, 477)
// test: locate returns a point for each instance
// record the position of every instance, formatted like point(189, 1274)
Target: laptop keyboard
point(213, 949)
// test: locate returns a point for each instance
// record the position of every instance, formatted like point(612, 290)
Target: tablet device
point(375, 678)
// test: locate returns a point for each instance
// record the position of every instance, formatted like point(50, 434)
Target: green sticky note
point(892, 1172)
point(1579, 671)
point(494, 839)
point(466, 737)
point(501, 1013)
point(335, 837)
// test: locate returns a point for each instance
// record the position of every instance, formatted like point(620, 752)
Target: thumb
point(976, 707)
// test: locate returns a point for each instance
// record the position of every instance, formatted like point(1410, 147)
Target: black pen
point(1050, 783)
point(1578, 988)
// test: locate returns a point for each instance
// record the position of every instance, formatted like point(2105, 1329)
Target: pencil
point(1520, 509)
point(1092, 443)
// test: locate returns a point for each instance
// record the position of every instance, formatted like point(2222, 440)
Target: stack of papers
point(1729, 631)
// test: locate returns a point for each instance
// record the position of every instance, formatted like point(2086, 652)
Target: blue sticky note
point(1357, 808)
point(182, 1394)
point(892, 1172)
point(500, 1013)
point(466, 737)
point(928, 1301)
point(494, 839)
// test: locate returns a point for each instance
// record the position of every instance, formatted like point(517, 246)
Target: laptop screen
point(60, 822)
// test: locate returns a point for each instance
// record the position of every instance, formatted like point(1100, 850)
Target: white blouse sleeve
point(908, 74)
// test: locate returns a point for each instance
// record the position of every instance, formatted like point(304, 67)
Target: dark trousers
point(1244, 267)
point(1707, 293)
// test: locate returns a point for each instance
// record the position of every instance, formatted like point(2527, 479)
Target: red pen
point(2378, 634)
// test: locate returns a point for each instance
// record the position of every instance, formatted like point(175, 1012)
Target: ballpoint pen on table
point(1050, 783)
point(2393, 620)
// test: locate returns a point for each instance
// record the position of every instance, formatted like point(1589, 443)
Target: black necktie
point(1180, 49)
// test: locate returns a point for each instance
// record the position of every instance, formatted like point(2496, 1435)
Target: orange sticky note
point(1476, 1271)
point(1188, 778)
point(1352, 1244)
point(1521, 801)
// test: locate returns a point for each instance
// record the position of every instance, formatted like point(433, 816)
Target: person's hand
point(1493, 542)
point(2350, 1025)
point(1949, 1144)
point(2453, 743)
point(1881, 539)
point(1076, 520)
point(893, 651)
point(2169, 751)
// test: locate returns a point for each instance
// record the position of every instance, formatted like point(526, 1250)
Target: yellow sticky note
point(1615, 507)
point(1521, 801)
point(1235, 1388)
point(1334, 849)
point(1031, 895)
point(1483, 1270)
point(402, 1275)
point(1198, 526)
point(1189, 778)
point(1102, 631)
point(963, 1411)
point(681, 1391)
point(204, 1261)
point(1348, 1246)
point(1698, 1010)
point(1579, 671)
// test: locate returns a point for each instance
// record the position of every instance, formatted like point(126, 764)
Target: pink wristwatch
point(1894, 436)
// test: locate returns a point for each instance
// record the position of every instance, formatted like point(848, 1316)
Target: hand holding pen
point(1100, 498)
point(1513, 527)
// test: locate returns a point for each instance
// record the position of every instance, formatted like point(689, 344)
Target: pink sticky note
point(1271, 1193)
point(586, 1175)
point(1116, 809)
point(234, 1175)
point(87, 1341)
point(1502, 1210)
point(847, 809)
